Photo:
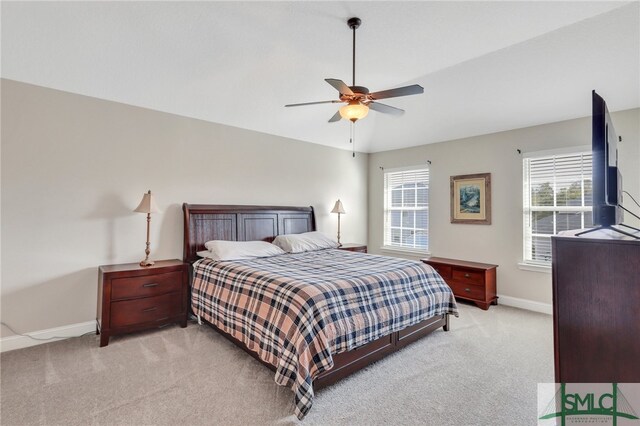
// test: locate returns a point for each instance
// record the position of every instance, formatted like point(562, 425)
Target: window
point(406, 208)
point(557, 196)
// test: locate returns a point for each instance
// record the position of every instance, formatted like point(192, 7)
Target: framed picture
point(471, 199)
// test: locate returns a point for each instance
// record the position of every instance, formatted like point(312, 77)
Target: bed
point(323, 347)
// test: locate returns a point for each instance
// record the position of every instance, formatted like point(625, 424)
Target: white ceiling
point(485, 66)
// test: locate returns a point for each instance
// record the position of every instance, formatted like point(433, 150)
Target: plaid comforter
point(297, 310)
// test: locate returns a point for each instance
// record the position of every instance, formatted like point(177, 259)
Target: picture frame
point(471, 199)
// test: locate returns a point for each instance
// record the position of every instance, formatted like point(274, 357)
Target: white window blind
point(557, 197)
point(406, 208)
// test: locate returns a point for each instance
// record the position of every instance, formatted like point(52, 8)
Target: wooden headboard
point(203, 222)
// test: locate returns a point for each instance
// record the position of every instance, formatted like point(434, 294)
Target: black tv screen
point(607, 180)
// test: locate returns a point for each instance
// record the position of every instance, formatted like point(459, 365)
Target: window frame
point(528, 263)
point(387, 197)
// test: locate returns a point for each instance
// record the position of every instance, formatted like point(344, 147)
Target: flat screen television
point(607, 180)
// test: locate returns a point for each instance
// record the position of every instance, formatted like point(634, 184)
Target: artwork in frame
point(471, 199)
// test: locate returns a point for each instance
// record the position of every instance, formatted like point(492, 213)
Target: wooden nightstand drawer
point(467, 290)
point(443, 270)
point(467, 277)
point(146, 286)
point(145, 310)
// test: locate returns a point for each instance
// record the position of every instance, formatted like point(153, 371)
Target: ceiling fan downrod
point(354, 23)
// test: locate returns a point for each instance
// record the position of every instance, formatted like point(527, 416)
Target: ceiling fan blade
point(336, 117)
point(340, 86)
point(386, 109)
point(414, 89)
point(314, 103)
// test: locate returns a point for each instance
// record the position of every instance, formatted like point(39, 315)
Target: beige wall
point(74, 167)
point(501, 242)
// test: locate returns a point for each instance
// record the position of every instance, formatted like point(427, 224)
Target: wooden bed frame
point(204, 223)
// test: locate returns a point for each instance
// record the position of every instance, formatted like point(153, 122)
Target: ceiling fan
point(358, 99)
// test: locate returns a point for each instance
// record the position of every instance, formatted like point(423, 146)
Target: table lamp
point(148, 206)
point(338, 208)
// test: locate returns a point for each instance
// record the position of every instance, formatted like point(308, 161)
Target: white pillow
point(238, 250)
point(308, 241)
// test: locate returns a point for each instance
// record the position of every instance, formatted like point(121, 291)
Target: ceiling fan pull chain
point(353, 139)
point(352, 133)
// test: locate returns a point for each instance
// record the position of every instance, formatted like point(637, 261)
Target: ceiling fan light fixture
point(354, 111)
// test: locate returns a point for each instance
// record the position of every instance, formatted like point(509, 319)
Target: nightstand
point(472, 281)
point(361, 248)
point(133, 298)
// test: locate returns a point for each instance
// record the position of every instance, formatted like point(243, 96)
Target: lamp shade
point(338, 208)
point(354, 111)
point(147, 205)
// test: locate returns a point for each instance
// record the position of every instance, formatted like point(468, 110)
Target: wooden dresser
point(596, 309)
point(361, 248)
point(472, 281)
point(133, 298)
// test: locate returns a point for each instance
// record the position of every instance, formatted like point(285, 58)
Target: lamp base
point(147, 262)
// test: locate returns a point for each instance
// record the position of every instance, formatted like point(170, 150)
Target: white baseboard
point(10, 343)
point(529, 305)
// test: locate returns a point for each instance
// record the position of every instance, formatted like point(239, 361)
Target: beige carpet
point(483, 372)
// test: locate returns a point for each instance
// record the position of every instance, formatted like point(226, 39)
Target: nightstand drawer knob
point(149, 309)
point(468, 290)
point(150, 285)
point(467, 275)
